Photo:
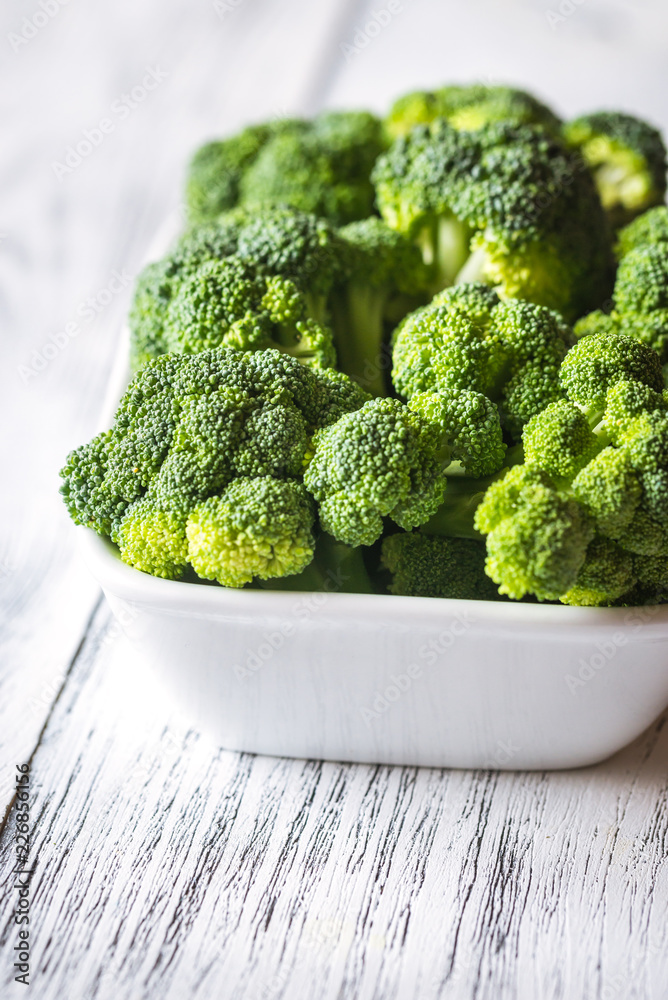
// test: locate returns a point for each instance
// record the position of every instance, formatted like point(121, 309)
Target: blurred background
point(167, 75)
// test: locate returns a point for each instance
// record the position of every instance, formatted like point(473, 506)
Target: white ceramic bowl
point(396, 680)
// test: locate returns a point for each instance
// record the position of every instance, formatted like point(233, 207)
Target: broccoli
point(570, 523)
point(506, 204)
point(225, 303)
point(433, 566)
point(468, 107)
point(216, 169)
point(158, 282)
point(324, 168)
point(259, 527)
point(627, 158)
point(468, 339)
point(382, 460)
point(381, 278)
point(198, 445)
point(335, 569)
point(650, 227)
point(640, 297)
point(249, 282)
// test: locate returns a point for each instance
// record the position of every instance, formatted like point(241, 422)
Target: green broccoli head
point(323, 168)
point(187, 428)
point(468, 108)
point(434, 566)
point(649, 228)
point(470, 428)
point(227, 303)
point(256, 528)
point(159, 281)
point(506, 204)
point(594, 364)
point(606, 574)
point(537, 537)
point(559, 439)
point(467, 339)
point(215, 171)
point(627, 158)
point(381, 461)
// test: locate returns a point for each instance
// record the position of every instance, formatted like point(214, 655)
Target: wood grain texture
point(165, 867)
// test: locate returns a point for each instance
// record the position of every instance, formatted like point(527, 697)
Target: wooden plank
point(67, 238)
point(167, 867)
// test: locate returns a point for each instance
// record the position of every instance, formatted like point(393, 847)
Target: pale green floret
point(649, 228)
point(626, 400)
point(468, 107)
point(596, 363)
point(609, 489)
point(607, 574)
point(559, 440)
point(595, 323)
point(153, 540)
point(627, 158)
point(537, 538)
point(381, 461)
point(187, 428)
point(259, 527)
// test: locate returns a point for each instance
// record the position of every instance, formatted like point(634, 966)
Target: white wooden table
point(167, 868)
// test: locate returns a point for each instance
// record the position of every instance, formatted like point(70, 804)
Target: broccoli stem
point(474, 269)
point(445, 248)
point(455, 515)
point(336, 569)
point(358, 334)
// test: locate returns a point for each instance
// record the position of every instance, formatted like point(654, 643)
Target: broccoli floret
point(382, 278)
point(153, 540)
point(537, 537)
point(467, 339)
point(159, 281)
point(641, 295)
point(433, 566)
point(506, 204)
point(270, 273)
point(187, 428)
point(606, 574)
point(649, 228)
point(381, 461)
point(471, 429)
point(216, 169)
point(627, 158)
point(468, 107)
point(260, 527)
point(596, 363)
point(227, 303)
point(594, 473)
point(323, 168)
